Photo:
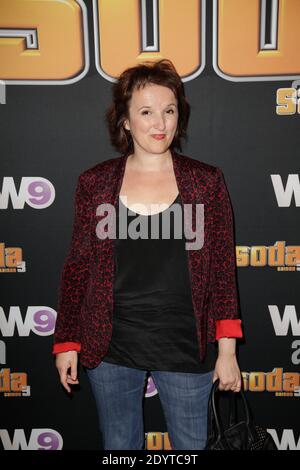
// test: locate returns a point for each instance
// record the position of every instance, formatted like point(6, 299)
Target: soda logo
point(40, 439)
point(288, 104)
point(282, 383)
point(157, 441)
point(56, 32)
point(38, 319)
point(280, 256)
point(14, 384)
point(36, 192)
point(11, 259)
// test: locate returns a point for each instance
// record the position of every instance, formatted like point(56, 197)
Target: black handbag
point(242, 435)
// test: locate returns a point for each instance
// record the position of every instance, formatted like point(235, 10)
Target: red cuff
point(230, 328)
point(68, 346)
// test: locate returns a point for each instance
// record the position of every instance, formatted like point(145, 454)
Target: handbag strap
point(213, 415)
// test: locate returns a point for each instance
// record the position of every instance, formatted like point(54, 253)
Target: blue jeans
point(119, 393)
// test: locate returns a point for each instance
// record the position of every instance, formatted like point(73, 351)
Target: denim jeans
point(119, 393)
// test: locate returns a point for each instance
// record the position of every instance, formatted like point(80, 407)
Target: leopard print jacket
point(85, 301)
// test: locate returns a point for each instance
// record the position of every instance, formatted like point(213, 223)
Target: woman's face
point(152, 110)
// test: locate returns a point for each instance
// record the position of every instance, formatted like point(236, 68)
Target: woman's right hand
point(63, 362)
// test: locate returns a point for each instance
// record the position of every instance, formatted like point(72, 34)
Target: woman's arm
point(227, 346)
point(224, 289)
point(75, 271)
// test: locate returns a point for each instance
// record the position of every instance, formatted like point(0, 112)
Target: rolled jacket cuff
point(230, 328)
point(67, 346)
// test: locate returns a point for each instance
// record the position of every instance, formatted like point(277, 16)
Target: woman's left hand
point(228, 372)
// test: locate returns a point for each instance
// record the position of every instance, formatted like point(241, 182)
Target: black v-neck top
point(154, 326)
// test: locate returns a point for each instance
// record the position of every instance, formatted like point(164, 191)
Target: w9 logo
point(48, 42)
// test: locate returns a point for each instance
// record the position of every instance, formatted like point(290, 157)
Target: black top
point(154, 326)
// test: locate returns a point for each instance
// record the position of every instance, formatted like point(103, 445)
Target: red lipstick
point(158, 136)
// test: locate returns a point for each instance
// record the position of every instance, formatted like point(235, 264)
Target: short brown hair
point(161, 72)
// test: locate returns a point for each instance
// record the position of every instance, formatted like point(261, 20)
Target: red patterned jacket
point(85, 303)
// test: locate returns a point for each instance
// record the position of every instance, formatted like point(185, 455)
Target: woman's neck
point(150, 162)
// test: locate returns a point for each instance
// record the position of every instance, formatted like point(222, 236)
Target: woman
point(170, 305)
